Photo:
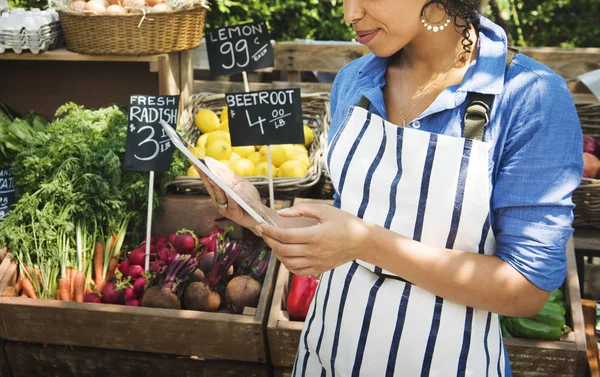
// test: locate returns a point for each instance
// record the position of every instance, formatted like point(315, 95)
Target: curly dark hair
point(464, 11)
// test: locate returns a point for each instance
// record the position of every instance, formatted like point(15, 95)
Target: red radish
point(157, 266)
point(133, 302)
point(209, 243)
point(216, 231)
point(590, 145)
point(186, 241)
point(129, 294)
point(111, 294)
point(160, 240)
point(92, 298)
point(124, 267)
point(139, 286)
point(172, 256)
point(138, 256)
point(172, 237)
point(135, 272)
point(163, 253)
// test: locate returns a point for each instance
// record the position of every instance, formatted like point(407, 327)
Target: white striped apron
point(365, 321)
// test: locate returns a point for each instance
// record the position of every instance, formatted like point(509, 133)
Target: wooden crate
point(215, 336)
point(529, 358)
point(30, 359)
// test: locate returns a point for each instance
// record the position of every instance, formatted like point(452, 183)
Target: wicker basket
point(587, 196)
point(315, 113)
point(128, 34)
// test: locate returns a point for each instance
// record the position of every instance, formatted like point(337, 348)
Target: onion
point(114, 10)
point(77, 6)
point(95, 7)
point(152, 3)
point(162, 7)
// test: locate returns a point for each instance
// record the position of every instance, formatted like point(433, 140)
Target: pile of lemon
point(287, 160)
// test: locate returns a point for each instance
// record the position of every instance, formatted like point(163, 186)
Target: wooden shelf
point(62, 54)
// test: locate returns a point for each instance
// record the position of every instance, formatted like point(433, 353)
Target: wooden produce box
point(529, 358)
point(210, 336)
point(29, 359)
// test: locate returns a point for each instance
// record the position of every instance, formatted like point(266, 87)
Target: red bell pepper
point(300, 296)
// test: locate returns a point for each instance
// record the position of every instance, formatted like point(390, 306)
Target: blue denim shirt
point(536, 156)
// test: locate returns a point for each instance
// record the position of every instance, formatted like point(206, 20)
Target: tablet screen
point(221, 176)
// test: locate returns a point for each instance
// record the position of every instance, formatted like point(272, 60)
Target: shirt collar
point(485, 75)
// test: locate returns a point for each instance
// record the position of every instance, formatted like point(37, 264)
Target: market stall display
point(529, 357)
point(35, 30)
point(587, 196)
point(207, 130)
point(136, 27)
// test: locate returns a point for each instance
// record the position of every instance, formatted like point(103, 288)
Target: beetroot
point(112, 293)
point(166, 285)
point(92, 298)
point(133, 302)
point(124, 267)
point(135, 272)
point(157, 266)
point(186, 241)
point(198, 296)
point(138, 256)
point(157, 297)
point(129, 293)
point(139, 286)
point(172, 256)
point(242, 291)
point(206, 261)
point(198, 275)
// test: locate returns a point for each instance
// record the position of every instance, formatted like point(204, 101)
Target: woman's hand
point(337, 238)
point(232, 210)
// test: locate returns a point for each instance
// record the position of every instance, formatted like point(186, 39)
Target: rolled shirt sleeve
point(540, 166)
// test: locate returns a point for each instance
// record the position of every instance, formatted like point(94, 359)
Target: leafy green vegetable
point(73, 174)
point(18, 134)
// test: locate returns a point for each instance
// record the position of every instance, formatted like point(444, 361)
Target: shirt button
point(416, 124)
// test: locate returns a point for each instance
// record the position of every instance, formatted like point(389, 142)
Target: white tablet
point(216, 171)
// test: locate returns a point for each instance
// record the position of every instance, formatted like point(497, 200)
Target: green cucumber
point(550, 315)
point(556, 296)
point(528, 328)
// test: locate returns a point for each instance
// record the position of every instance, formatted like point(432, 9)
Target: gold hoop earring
point(435, 26)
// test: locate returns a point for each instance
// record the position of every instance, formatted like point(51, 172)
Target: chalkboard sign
point(148, 147)
point(7, 191)
point(235, 49)
point(265, 117)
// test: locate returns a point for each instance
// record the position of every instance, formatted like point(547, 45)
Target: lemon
point(278, 155)
point(254, 157)
point(191, 172)
point(198, 152)
point(262, 169)
point(291, 169)
point(244, 167)
point(309, 136)
point(288, 147)
point(201, 143)
point(244, 151)
point(257, 147)
point(224, 116)
point(224, 126)
point(219, 150)
point(218, 135)
point(207, 121)
point(227, 163)
point(299, 156)
point(301, 148)
point(234, 156)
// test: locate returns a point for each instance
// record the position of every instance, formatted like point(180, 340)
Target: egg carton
point(33, 30)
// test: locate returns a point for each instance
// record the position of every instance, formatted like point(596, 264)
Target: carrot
point(112, 266)
point(19, 284)
point(99, 266)
point(72, 284)
point(38, 276)
point(28, 288)
point(79, 283)
point(64, 289)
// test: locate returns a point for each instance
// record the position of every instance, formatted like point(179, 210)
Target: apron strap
point(477, 114)
point(364, 102)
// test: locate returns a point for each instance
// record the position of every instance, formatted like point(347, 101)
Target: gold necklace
point(422, 96)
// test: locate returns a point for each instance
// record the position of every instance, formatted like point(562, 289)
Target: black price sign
point(265, 117)
point(235, 49)
point(7, 191)
point(148, 147)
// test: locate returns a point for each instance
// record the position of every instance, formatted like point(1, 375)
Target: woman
point(442, 221)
